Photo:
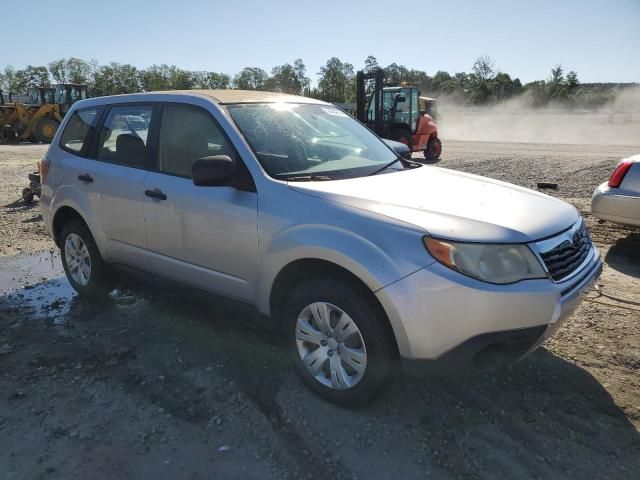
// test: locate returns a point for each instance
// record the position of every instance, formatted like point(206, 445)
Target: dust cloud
point(617, 123)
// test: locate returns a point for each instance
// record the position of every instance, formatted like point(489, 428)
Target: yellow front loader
point(22, 122)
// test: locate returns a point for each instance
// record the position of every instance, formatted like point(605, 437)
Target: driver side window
point(123, 137)
point(186, 134)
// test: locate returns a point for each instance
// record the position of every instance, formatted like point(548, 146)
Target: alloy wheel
point(77, 259)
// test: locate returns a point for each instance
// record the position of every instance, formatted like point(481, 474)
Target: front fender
point(345, 248)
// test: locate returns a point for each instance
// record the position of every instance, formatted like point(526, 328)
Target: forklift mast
point(361, 98)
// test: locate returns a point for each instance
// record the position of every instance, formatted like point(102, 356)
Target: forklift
point(396, 111)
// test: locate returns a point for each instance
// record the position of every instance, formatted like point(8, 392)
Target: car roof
point(216, 96)
point(247, 96)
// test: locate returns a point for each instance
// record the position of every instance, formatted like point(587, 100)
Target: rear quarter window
point(76, 133)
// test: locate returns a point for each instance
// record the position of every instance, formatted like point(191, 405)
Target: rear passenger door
point(203, 236)
point(114, 180)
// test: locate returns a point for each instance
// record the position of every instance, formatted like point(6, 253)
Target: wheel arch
point(62, 216)
point(297, 271)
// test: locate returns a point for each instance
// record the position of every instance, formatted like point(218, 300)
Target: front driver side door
point(202, 236)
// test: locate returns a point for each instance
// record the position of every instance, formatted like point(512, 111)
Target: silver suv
point(290, 205)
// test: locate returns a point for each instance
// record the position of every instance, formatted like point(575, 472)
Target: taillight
point(618, 174)
point(44, 168)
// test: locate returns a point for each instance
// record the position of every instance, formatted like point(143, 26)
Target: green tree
point(572, 80)
point(370, 64)
point(300, 70)
point(58, 70)
point(211, 80)
point(251, 78)
point(72, 70)
point(78, 70)
point(10, 82)
point(155, 78)
point(557, 86)
point(336, 83)
point(396, 73)
point(503, 87)
point(116, 79)
point(284, 80)
point(166, 77)
point(33, 77)
point(484, 67)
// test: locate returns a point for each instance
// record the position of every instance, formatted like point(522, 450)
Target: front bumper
point(613, 205)
point(435, 312)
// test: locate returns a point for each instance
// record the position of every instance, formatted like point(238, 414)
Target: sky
point(599, 39)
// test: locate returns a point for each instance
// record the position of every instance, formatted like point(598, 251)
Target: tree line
point(483, 85)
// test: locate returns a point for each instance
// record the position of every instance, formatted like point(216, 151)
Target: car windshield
point(310, 142)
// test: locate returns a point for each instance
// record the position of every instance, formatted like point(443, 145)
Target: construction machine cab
point(41, 95)
point(393, 111)
point(66, 94)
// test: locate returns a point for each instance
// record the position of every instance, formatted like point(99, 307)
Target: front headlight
point(487, 262)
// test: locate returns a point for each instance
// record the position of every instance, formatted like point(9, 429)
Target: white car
point(288, 204)
point(618, 199)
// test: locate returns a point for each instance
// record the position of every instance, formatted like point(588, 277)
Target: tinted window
point(123, 137)
point(76, 131)
point(187, 134)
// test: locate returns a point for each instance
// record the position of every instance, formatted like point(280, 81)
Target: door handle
point(156, 193)
point(85, 177)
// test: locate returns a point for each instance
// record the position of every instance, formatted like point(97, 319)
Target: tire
point(33, 139)
point(434, 150)
point(373, 338)
point(76, 242)
point(27, 195)
point(45, 129)
point(7, 134)
point(403, 136)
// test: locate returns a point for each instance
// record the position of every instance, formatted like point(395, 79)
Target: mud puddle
point(35, 285)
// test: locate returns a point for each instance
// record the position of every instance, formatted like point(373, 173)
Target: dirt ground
point(156, 383)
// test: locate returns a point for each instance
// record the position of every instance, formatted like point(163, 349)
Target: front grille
point(563, 259)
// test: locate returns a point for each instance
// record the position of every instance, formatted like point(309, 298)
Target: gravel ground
point(155, 383)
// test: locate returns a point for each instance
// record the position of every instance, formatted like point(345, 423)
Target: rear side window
point(187, 134)
point(123, 136)
point(76, 132)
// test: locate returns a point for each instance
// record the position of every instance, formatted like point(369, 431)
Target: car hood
point(451, 204)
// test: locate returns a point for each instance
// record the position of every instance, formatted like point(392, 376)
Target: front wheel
point(46, 129)
point(339, 342)
point(434, 150)
point(82, 262)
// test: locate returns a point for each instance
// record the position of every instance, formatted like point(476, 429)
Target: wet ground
point(157, 382)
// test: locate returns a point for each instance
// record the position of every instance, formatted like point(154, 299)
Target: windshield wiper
point(405, 162)
point(398, 159)
point(304, 178)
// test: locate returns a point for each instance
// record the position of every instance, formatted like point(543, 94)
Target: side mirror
point(400, 148)
point(212, 171)
point(399, 98)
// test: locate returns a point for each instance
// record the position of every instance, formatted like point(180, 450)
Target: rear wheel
point(82, 262)
point(45, 130)
point(339, 343)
